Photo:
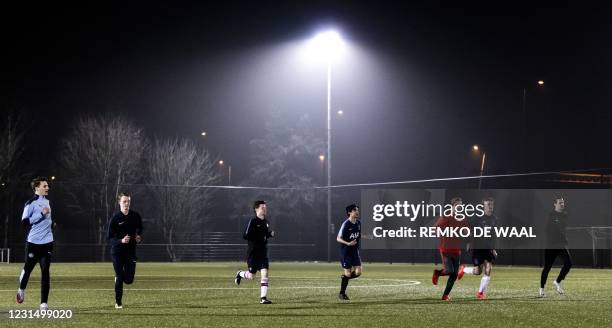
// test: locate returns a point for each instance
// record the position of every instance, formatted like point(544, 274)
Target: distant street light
point(53, 177)
point(229, 172)
point(476, 148)
point(524, 141)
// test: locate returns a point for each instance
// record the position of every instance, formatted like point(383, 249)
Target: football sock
point(344, 284)
point(484, 282)
point(264, 287)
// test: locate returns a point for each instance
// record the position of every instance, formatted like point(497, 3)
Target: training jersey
point(555, 230)
point(257, 233)
point(450, 245)
point(121, 225)
point(482, 222)
point(39, 225)
point(348, 232)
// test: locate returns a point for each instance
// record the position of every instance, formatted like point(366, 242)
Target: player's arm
point(31, 217)
point(112, 232)
point(249, 232)
point(341, 240)
point(138, 236)
point(441, 222)
point(25, 217)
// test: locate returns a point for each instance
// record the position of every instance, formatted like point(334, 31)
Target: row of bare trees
point(108, 154)
point(12, 135)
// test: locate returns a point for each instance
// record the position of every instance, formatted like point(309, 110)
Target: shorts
point(479, 256)
point(350, 258)
point(256, 263)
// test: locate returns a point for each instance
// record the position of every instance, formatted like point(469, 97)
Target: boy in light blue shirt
point(37, 219)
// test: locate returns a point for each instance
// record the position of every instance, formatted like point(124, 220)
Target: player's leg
point(118, 266)
point(476, 269)
point(356, 266)
point(486, 278)
point(567, 265)
point(30, 262)
point(452, 267)
point(264, 265)
point(249, 274)
point(45, 279)
point(439, 272)
point(347, 271)
point(549, 259)
point(129, 269)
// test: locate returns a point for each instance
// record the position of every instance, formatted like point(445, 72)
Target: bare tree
point(101, 154)
point(12, 133)
point(287, 155)
point(176, 168)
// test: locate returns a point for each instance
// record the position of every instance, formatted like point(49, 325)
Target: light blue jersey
point(39, 225)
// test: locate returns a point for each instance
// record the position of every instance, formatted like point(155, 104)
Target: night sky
point(422, 85)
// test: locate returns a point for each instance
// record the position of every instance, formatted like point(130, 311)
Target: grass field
point(304, 295)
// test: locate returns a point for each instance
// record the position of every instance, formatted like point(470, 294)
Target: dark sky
point(430, 81)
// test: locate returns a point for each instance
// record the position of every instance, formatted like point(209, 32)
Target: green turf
point(304, 295)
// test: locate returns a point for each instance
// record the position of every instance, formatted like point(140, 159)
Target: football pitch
point(305, 295)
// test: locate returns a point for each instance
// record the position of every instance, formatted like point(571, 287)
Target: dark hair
point(257, 203)
point(123, 194)
point(488, 199)
point(557, 197)
point(351, 208)
point(455, 200)
point(36, 182)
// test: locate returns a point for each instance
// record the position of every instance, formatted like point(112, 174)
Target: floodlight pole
point(329, 157)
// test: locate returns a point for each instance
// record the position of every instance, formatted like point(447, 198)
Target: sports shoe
point(343, 297)
point(460, 273)
point(435, 277)
point(44, 306)
point(20, 296)
point(237, 278)
point(481, 295)
point(558, 288)
point(541, 293)
point(265, 300)
point(446, 298)
point(117, 306)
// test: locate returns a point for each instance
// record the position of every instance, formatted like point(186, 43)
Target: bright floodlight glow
point(475, 147)
point(204, 134)
point(540, 82)
point(321, 158)
point(221, 162)
point(325, 46)
point(340, 112)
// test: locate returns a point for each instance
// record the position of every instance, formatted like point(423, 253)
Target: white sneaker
point(20, 295)
point(541, 293)
point(558, 288)
point(44, 306)
point(117, 306)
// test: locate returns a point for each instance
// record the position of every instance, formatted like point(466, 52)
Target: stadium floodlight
point(327, 46)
